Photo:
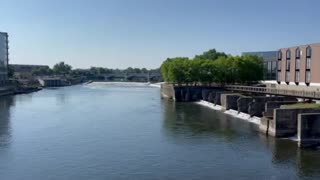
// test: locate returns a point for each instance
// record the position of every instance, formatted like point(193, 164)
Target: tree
point(224, 70)
point(61, 68)
point(144, 70)
point(212, 54)
point(42, 71)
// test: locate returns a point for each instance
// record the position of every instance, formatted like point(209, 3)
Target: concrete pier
point(229, 101)
point(308, 130)
point(285, 121)
point(272, 105)
point(243, 104)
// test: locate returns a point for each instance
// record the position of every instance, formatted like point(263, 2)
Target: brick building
point(298, 67)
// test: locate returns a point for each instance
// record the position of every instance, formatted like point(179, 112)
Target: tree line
point(62, 68)
point(213, 67)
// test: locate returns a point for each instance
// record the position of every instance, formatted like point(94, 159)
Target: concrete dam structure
point(133, 77)
point(277, 118)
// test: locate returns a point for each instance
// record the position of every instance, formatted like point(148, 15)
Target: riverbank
point(12, 90)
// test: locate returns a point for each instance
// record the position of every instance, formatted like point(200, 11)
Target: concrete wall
point(264, 125)
point(243, 104)
point(229, 101)
point(188, 93)
point(167, 91)
point(309, 130)
point(271, 105)
point(285, 121)
point(257, 106)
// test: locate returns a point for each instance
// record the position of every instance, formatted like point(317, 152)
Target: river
point(127, 132)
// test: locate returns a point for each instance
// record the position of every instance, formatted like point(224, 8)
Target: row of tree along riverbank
point(213, 67)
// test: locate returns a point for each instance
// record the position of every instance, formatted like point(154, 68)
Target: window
point(287, 76)
point(279, 55)
point(288, 65)
point(308, 77)
point(265, 72)
point(274, 70)
point(288, 54)
point(297, 76)
point(308, 64)
point(288, 57)
point(279, 76)
point(298, 53)
point(309, 51)
point(274, 66)
point(279, 65)
point(269, 67)
point(298, 64)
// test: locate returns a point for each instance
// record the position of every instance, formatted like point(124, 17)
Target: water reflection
point(187, 121)
point(188, 118)
point(5, 130)
point(286, 153)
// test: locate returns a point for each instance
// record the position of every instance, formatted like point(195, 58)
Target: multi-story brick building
point(299, 67)
point(4, 58)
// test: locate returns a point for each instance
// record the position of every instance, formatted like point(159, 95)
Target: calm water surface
point(127, 132)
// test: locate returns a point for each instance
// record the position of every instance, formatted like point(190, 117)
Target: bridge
point(275, 91)
point(134, 77)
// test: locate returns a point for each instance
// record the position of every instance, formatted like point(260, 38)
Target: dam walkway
point(273, 91)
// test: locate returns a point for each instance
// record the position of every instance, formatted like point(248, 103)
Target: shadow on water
point(286, 153)
point(188, 120)
point(194, 120)
point(5, 130)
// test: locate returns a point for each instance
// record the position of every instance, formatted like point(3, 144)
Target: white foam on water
point(293, 138)
point(243, 116)
point(155, 85)
point(234, 113)
point(209, 105)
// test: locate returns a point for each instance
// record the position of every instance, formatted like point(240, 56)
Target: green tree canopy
point(62, 68)
point(212, 54)
point(42, 71)
point(223, 70)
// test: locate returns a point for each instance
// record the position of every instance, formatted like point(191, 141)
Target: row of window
point(270, 70)
point(297, 77)
point(298, 54)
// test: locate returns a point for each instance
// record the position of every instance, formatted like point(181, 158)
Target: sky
point(143, 33)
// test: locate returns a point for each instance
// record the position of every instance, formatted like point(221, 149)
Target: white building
point(4, 58)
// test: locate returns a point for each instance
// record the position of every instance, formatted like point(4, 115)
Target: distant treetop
point(212, 54)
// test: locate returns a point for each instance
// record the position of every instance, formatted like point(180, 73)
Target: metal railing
point(264, 90)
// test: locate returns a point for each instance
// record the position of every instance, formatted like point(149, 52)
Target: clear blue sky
point(142, 33)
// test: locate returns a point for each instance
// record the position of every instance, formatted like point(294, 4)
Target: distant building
point(299, 66)
point(24, 71)
point(4, 58)
point(52, 82)
point(270, 63)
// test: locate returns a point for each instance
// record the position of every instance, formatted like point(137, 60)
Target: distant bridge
point(134, 77)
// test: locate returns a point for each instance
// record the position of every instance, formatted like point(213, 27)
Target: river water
point(127, 132)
